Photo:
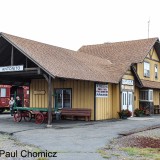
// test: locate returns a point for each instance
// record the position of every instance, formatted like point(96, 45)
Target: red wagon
point(39, 114)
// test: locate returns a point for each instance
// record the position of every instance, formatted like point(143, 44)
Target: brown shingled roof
point(151, 84)
point(101, 63)
point(128, 51)
point(121, 54)
point(64, 63)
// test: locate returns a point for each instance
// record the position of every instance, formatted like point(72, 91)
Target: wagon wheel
point(39, 118)
point(17, 116)
point(27, 116)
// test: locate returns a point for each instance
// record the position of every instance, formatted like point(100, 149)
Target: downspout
point(94, 101)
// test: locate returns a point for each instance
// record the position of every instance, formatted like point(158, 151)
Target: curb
point(139, 130)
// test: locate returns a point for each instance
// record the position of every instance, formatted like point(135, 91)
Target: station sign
point(11, 68)
point(127, 82)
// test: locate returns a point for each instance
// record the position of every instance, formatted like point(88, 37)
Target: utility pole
point(148, 26)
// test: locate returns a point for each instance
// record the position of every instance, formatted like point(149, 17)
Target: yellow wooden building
point(104, 78)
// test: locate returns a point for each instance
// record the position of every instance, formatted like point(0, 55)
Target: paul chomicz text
point(27, 153)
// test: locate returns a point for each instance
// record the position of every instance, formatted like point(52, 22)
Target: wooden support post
point(12, 56)
point(26, 63)
point(49, 101)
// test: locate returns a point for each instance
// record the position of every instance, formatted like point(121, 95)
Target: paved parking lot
point(73, 139)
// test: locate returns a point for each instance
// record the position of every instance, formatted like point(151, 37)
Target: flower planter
point(139, 115)
point(123, 117)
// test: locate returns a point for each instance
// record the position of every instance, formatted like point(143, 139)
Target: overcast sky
point(73, 23)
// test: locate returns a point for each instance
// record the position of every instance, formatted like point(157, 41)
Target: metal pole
point(148, 27)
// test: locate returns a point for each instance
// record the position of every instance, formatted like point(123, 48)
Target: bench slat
point(76, 112)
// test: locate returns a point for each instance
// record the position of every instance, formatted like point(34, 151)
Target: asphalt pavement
point(73, 140)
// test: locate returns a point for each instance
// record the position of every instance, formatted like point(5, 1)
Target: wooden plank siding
point(136, 98)
point(115, 100)
point(104, 106)
point(156, 97)
point(82, 93)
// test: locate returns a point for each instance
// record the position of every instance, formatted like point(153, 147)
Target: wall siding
point(104, 106)
point(115, 100)
point(136, 98)
point(82, 93)
point(156, 97)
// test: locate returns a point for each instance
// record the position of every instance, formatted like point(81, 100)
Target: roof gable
point(122, 54)
point(63, 63)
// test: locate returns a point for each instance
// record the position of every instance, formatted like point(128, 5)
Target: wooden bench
point(156, 109)
point(76, 113)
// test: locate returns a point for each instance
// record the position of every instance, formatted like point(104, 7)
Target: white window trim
point(150, 98)
point(156, 65)
point(148, 73)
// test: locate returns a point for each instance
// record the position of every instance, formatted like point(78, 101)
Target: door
point(130, 101)
point(62, 98)
point(127, 100)
point(124, 100)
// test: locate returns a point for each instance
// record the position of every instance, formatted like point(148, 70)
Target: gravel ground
point(141, 141)
point(10, 145)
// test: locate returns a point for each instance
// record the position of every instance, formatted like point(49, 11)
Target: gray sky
point(73, 23)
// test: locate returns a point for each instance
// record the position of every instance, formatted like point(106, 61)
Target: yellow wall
point(128, 75)
point(115, 100)
point(136, 98)
point(140, 67)
point(39, 101)
point(82, 93)
point(156, 97)
point(104, 106)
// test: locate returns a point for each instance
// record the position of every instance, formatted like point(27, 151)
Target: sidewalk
point(72, 139)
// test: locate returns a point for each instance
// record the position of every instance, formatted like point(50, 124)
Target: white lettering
point(11, 68)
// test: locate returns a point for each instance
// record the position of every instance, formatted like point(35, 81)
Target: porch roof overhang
point(151, 84)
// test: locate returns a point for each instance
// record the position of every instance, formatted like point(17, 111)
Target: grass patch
point(153, 153)
point(116, 155)
point(103, 154)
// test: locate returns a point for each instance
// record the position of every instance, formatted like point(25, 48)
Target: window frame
point(147, 97)
point(63, 97)
point(145, 75)
point(156, 65)
point(1, 92)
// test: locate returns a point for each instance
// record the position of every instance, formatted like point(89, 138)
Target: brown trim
point(95, 101)
point(152, 59)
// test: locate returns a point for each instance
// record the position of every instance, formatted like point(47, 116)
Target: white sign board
point(101, 90)
point(11, 68)
point(127, 82)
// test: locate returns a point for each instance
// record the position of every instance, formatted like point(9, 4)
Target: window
point(146, 95)
point(156, 71)
point(3, 92)
point(62, 98)
point(146, 69)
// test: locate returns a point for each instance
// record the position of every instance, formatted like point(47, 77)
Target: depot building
point(104, 78)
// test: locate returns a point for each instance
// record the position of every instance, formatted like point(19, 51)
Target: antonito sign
point(127, 82)
point(11, 68)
